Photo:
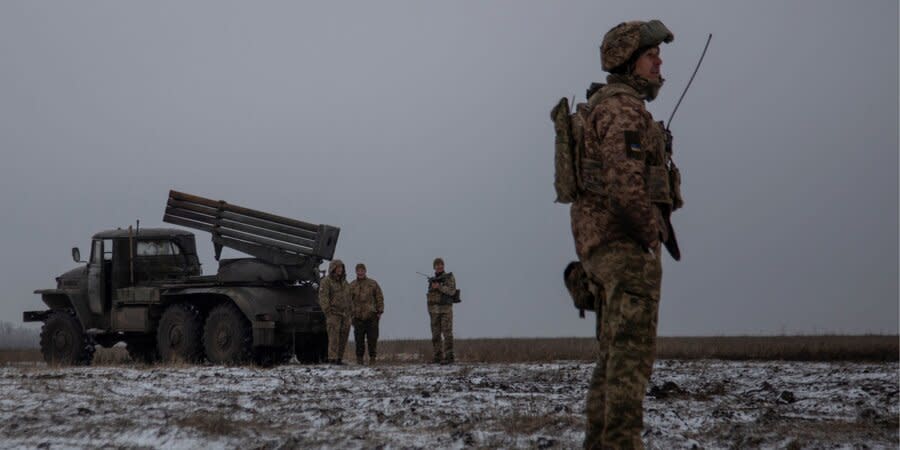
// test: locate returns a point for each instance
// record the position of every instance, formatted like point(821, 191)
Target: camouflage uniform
point(367, 303)
point(334, 298)
point(441, 317)
point(622, 211)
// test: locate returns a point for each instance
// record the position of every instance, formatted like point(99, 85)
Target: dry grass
point(16, 356)
point(793, 348)
point(790, 348)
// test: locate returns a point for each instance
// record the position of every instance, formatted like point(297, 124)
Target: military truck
point(145, 287)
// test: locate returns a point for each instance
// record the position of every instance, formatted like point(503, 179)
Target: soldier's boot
point(437, 358)
point(359, 360)
point(372, 359)
point(449, 359)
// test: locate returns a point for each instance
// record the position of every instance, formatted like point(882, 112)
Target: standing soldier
point(628, 189)
point(441, 289)
point(368, 304)
point(334, 298)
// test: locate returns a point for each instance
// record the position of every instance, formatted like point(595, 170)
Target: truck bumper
point(35, 316)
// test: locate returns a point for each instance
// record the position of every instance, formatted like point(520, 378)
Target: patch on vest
point(633, 145)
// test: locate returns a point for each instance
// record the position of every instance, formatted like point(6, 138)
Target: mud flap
point(263, 333)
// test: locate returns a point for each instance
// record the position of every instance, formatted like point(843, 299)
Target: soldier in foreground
point(441, 288)
point(367, 303)
point(334, 298)
point(627, 187)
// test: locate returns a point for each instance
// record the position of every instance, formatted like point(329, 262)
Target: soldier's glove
point(579, 287)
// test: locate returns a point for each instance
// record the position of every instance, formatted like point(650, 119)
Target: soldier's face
point(339, 271)
point(648, 64)
point(439, 267)
point(360, 272)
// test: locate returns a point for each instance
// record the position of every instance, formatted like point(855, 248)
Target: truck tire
point(143, 351)
point(63, 340)
point(178, 336)
point(227, 336)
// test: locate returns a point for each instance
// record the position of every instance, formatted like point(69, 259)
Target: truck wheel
point(227, 337)
point(143, 351)
point(178, 336)
point(64, 342)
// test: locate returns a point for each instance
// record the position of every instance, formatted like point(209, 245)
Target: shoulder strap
point(613, 89)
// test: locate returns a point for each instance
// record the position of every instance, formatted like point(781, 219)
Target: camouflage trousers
point(441, 326)
point(338, 332)
point(631, 278)
point(366, 332)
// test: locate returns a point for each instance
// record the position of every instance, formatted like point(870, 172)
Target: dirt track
point(711, 404)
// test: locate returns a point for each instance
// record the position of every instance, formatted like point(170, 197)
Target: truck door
point(98, 275)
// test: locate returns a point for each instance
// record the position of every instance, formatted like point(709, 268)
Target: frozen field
point(707, 404)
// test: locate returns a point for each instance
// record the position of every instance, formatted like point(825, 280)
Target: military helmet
point(620, 43)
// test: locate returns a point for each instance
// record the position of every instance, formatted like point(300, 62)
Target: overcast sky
point(422, 129)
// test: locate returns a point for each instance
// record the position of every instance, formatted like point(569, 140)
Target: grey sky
point(422, 129)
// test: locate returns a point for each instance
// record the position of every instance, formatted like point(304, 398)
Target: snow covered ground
point(691, 404)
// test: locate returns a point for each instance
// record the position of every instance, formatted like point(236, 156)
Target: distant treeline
point(18, 337)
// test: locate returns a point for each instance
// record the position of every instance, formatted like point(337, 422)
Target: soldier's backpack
point(565, 180)
point(569, 128)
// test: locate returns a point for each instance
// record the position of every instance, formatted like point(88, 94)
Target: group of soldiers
point(626, 187)
point(360, 303)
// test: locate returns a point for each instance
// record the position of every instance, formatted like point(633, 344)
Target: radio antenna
point(669, 122)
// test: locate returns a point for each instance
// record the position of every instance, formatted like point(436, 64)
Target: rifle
point(430, 279)
point(447, 299)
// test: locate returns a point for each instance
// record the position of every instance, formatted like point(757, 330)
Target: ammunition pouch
point(591, 176)
point(657, 182)
point(675, 186)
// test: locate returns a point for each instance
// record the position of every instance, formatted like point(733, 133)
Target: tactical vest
point(661, 177)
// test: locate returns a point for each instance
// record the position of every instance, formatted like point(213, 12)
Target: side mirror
point(76, 254)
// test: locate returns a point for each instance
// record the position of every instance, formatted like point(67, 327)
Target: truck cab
point(121, 260)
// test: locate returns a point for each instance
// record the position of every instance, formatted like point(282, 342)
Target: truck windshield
point(157, 248)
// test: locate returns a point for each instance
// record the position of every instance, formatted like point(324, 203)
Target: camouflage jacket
point(334, 292)
point(447, 287)
point(366, 298)
point(624, 172)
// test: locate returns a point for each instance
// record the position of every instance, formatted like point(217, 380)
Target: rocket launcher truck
point(145, 287)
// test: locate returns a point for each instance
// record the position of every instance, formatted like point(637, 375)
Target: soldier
point(620, 217)
point(441, 289)
point(367, 303)
point(334, 297)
